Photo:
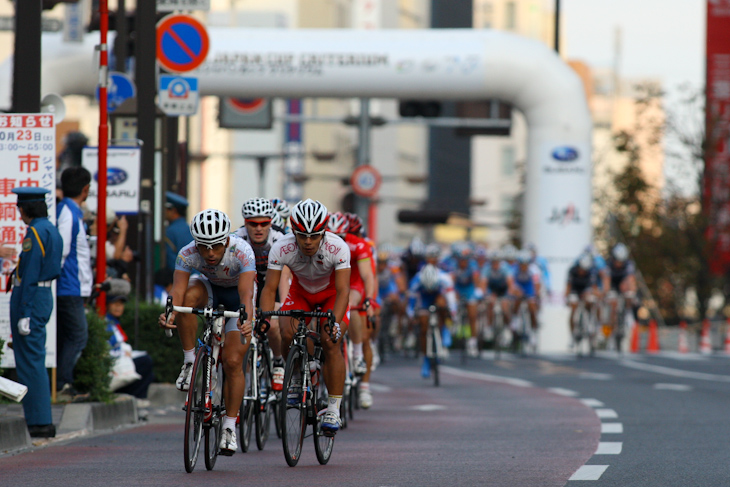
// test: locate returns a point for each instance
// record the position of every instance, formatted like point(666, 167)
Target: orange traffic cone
point(705, 344)
point(727, 337)
point(683, 345)
point(653, 345)
point(634, 337)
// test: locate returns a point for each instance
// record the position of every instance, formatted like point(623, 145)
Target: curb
point(13, 435)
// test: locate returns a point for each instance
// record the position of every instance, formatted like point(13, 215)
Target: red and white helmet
point(309, 217)
point(338, 223)
point(257, 207)
point(210, 227)
point(355, 223)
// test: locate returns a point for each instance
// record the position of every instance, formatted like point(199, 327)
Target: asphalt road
point(536, 421)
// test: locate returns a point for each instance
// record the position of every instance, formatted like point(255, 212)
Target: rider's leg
point(196, 296)
point(356, 326)
point(366, 346)
point(532, 306)
point(274, 335)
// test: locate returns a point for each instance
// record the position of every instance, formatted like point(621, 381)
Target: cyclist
point(227, 271)
point(430, 286)
point(466, 280)
point(542, 265)
point(257, 231)
point(582, 282)
point(527, 287)
point(412, 259)
point(281, 215)
point(320, 266)
point(620, 271)
point(499, 284)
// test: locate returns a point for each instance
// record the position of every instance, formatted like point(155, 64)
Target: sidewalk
point(80, 419)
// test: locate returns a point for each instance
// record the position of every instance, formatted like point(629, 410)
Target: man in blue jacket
point(177, 234)
point(31, 304)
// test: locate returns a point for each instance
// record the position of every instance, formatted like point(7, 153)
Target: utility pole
point(27, 57)
point(362, 204)
point(557, 26)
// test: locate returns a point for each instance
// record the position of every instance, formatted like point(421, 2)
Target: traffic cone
point(653, 345)
point(634, 337)
point(705, 344)
point(683, 345)
point(727, 336)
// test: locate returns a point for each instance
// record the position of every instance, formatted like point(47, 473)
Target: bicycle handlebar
point(300, 314)
point(206, 312)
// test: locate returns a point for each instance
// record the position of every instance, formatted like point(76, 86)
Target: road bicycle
point(622, 321)
point(523, 339)
point(585, 324)
point(498, 328)
point(434, 345)
point(303, 375)
point(260, 401)
point(204, 406)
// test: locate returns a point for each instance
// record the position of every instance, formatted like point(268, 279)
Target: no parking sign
point(366, 181)
point(182, 43)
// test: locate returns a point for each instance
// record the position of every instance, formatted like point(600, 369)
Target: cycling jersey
point(418, 295)
point(497, 281)
point(580, 279)
point(262, 255)
point(525, 280)
point(237, 259)
point(359, 250)
point(316, 273)
point(619, 272)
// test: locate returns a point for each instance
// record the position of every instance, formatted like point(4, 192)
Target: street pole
point(103, 142)
point(557, 26)
point(362, 205)
point(27, 57)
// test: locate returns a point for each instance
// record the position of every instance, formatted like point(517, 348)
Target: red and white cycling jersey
point(316, 273)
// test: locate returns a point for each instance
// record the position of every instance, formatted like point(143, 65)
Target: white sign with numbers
point(172, 5)
point(28, 159)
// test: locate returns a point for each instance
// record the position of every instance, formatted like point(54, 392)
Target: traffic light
point(424, 217)
point(425, 109)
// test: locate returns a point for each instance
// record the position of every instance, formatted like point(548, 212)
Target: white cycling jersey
point(238, 258)
point(314, 273)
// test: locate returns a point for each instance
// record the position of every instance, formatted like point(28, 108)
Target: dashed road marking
point(486, 377)
point(659, 369)
point(612, 428)
point(673, 387)
point(595, 376)
point(609, 448)
point(606, 413)
point(589, 472)
point(379, 387)
point(428, 407)
point(592, 403)
point(563, 392)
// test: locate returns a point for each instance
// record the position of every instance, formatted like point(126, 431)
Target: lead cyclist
point(226, 264)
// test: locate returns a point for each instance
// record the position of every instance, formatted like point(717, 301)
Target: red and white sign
point(28, 159)
point(366, 181)
point(182, 43)
point(247, 105)
point(716, 187)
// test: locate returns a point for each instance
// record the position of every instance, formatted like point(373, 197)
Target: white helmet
point(210, 227)
point(338, 223)
point(433, 250)
point(309, 217)
point(257, 207)
point(430, 277)
point(524, 256)
point(281, 207)
point(586, 261)
point(509, 252)
point(278, 221)
point(620, 252)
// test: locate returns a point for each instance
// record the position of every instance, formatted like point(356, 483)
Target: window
point(508, 160)
point(510, 15)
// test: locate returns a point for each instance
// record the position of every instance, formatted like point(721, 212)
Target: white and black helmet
point(278, 221)
point(257, 208)
point(620, 252)
point(281, 207)
point(430, 277)
point(210, 227)
point(309, 217)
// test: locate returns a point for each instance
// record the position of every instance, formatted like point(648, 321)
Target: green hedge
point(166, 352)
point(92, 370)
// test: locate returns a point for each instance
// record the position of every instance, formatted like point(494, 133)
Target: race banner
point(716, 185)
point(122, 178)
point(28, 159)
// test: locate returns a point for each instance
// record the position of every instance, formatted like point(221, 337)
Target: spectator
point(163, 284)
point(118, 341)
point(76, 279)
point(31, 305)
point(118, 253)
point(177, 234)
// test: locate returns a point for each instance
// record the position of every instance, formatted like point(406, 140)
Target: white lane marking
point(428, 407)
point(486, 377)
point(595, 376)
point(609, 448)
point(659, 369)
point(592, 403)
point(563, 392)
point(673, 387)
point(589, 472)
point(685, 357)
point(612, 428)
point(606, 413)
point(379, 387)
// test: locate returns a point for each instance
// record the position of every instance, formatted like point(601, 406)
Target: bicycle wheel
point(194, 410)
point(263, 408)
point(323, 445)
point(353, 399)
point(498, 326)
point(345, 404)
point(213, 429)
point(435, 357)
point(246, 412)
point(293, 411)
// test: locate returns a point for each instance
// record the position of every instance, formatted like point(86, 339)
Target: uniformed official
point(177, 234)
point(31, 304)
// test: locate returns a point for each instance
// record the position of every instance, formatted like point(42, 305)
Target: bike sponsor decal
point(565, 216)
point(331, 248)
point(565, 154)
point(288, 248)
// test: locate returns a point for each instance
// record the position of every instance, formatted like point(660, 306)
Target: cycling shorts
point(299, 298)
point(528, 288)
point(499, 291)
point(227, 296)
point(469, 293)
point(426, 300)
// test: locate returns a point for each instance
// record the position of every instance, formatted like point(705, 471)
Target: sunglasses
point(258, 224)
point(305, 236)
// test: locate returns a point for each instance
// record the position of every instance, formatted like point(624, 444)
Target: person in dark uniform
point(31, 304)
point(177, 234)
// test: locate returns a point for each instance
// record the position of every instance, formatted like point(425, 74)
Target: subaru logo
point(114, 176)
point(565, 154)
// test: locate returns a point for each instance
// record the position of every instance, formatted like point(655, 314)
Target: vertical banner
point(27, 159)
point(716, 190)
point(122, 178)
point(293, 158)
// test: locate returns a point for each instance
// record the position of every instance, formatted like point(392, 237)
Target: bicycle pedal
point(226, 453)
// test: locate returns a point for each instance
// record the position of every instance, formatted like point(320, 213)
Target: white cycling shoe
point(228, 444)
point(183, 380)
point(366, 398)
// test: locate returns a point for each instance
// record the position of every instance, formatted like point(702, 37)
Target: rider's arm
point(366, 272)
point(246, 282)
point(284, 283)
point(342, 288)
point(268, 293)
point(179, 285)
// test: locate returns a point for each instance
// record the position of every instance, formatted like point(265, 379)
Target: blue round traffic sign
point(121, 87)
point(182, 43)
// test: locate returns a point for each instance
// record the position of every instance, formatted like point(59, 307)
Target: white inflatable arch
point(459, 64)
